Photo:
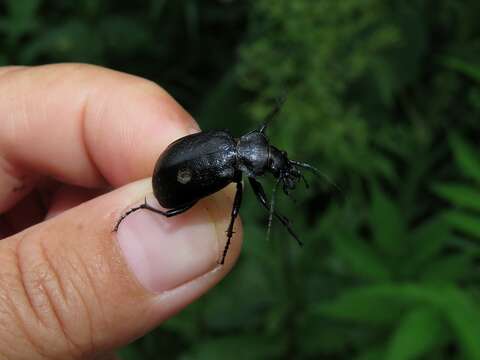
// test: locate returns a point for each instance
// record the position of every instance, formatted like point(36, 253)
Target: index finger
point(83, 125)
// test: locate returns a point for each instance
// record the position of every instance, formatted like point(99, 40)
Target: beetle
point(203, 163)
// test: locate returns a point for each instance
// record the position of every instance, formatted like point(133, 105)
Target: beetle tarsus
point(115, 229)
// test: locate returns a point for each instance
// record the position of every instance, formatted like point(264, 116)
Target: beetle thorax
point(253, 154)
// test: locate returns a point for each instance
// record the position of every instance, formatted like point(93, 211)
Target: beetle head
point(283, 169)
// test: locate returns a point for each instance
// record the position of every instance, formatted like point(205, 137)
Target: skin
point(75, 142)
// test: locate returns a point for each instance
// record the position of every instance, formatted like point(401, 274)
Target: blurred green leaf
point(463, 221)
point(129, 352)
point(372, 304)
point(374, 353)
point(466, 157)
point(73, 40)
point(22, 9)
point(417, 333)
point(360, 257)
point(366, 305)
point(185, 323)
point(124, 34)
point(387, 224)
point(427, 240)
point(384, 165)
point(238, 347)
point(463, 315)
point(20, 18)
point(450, 268)
point(460, 195)
point(319, 335)
point(463, 67)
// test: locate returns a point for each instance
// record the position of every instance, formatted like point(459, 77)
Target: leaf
point(236, 347)
point(383, 303)
point(464, 317)
point(185, 323)
point(460, 195)
point(463, 221)
point(457, 306)
point(375, 353)
point(418, 332)
point(472, 71)
point(427, 240)
point(72, 40)
point(383, 164)
point(360, 258)
point(448, 269)
point(387, 224)
point(21, 17)
point(22, 9)
point(129, 352)
point(124, 35)
point(316, 334)
point(466, 157)
point(371, 305)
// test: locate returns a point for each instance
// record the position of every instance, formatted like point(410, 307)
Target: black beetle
point(201, 164)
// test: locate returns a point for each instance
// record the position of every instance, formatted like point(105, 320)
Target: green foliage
point(162, 40)
point(465, 198)
point(418, 333)
point(429, 308)
point(383, 96)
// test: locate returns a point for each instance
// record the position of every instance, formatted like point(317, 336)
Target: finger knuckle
point(54, 313)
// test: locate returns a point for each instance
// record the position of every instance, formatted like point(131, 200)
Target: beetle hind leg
point(146, 206)
point(237, 202)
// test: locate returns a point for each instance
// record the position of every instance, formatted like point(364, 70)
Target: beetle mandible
point(203, 163)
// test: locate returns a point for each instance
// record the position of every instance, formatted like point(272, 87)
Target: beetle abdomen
point(193, 167)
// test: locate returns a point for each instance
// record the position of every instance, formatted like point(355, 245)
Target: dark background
point(383, 96)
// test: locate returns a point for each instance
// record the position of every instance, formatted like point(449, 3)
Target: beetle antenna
point(275, 111)
point(317, 172)
point(272, 209)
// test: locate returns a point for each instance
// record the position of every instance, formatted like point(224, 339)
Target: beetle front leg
point(262, 197)
point(237, 202)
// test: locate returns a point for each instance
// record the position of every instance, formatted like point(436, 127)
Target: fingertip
point(93, 125)
point(166, 252)
point(218, 207)
point(119, 284)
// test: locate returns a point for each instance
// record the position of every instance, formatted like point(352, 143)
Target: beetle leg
point(262, 197)
point(237, 202)
point(168, 213)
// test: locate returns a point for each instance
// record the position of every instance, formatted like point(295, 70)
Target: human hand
point(69, 286)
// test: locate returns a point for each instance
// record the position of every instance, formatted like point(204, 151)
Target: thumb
point(72, 288)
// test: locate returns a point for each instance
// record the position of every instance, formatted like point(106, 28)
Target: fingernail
point(164, 253)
